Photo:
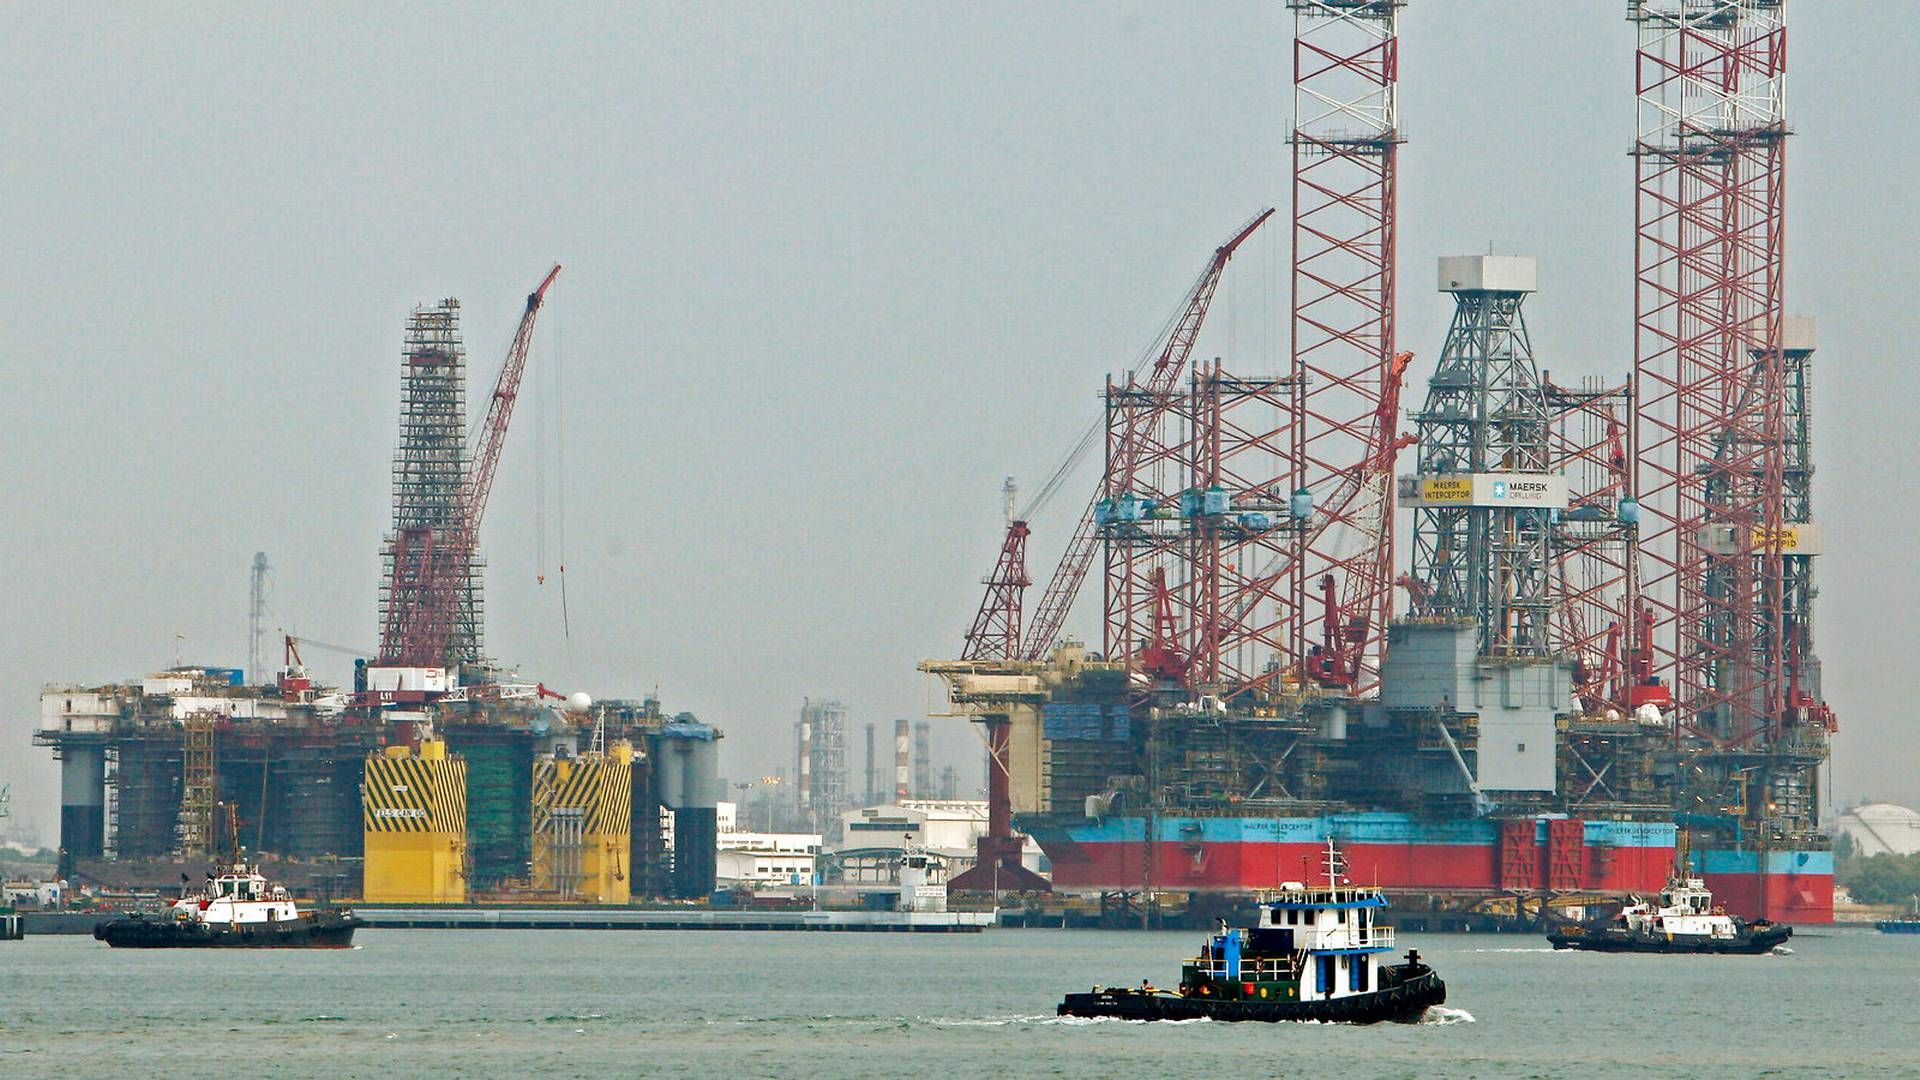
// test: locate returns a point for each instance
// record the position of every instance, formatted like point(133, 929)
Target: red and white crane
point(425, 587)
point(1163, 379)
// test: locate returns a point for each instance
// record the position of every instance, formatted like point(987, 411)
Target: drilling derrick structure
point(1723, 560)
point(1804, 701)
point(430, 600)
point(1166, 505)
point(1143, 446)
point(1483, 496)
point(1593, 543)
point(431, 479)
point(1344, 383)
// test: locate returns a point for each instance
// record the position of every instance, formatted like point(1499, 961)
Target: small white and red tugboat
point(238, 910)
point(1685, 920)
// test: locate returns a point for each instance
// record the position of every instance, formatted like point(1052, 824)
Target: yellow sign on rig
point(1444, 490)
point(1799, 538)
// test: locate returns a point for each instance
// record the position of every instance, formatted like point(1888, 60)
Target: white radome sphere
point(581, 701)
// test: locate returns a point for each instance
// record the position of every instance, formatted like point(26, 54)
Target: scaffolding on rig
point(431, 478)
point(198, 791)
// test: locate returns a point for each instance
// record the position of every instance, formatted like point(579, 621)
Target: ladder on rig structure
point(197, 786)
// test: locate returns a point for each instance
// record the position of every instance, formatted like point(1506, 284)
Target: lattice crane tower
point(1710, 373)
point(1345, 140)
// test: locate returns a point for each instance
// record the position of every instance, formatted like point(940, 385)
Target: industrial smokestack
point(900, 760)
point(869, 799)
point(923, 760)
point(803, 791)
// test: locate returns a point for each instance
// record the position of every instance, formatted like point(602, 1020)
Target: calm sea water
point(581, 1003)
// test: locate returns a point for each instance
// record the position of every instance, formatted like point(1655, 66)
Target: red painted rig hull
point(1391, 850)
point(1785, 886)
point(1405, 854)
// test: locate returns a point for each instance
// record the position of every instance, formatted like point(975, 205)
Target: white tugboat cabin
point(239, 896)
point(1333, 926)
point(1686, 909)
point(1322, 938)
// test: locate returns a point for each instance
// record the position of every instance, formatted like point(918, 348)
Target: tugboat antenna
point(1334, 865)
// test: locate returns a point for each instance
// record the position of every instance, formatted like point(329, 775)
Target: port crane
point(426, 581)
point(996, 626)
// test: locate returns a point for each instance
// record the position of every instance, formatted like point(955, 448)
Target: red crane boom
point(506, 390)
point(996, 627)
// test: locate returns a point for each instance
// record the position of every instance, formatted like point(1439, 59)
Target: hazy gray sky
point(832, 271)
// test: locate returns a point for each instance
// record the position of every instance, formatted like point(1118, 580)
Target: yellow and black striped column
point(414, 810)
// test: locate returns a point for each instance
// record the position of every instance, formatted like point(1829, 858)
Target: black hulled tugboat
point(1685, 920)
point(1904, 924)
point(238, 910)
point(1313, 955)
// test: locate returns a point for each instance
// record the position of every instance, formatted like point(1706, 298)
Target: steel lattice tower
point(824, 793)
point(431, 474)
point(1709, 371)
point(1804, 699)
point(1593, 546)
point(1266, 500)
point(1346, 139)
point(1484, 555)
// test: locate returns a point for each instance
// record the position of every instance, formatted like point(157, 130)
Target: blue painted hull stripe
point(1726, 861)
point(1365, 828)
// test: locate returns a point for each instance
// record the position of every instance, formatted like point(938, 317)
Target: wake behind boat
point(1685, 920)
point(238, 910)
point(1313, 955)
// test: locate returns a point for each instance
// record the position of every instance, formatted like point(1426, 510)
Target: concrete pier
point(919, 922)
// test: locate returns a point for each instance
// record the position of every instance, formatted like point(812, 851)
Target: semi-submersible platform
point(436, 776)
point(494, 793)
point(1601, 632)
